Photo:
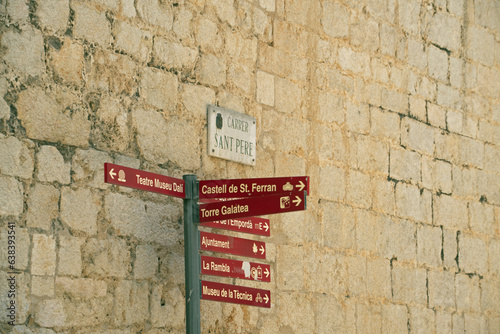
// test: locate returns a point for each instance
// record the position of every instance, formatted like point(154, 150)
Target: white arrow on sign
point(266, 298)
point(112, 174)
point(267, 273)
point(266, 226)
point(297, 200)
point(262, 249)
point(301, 185)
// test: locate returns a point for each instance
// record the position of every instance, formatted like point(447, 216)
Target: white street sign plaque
point(231, 135)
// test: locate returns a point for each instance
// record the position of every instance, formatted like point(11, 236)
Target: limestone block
point(384, 124)
point(356, 271)
point(22, 251)
point(296, 313)
point(468, 292)
point(45, 119)
point(159, 89)
point(338, 226)
point(436, 174)
point(333, 185)
point(487, 83)
point(384, 199)
point(291, 38)
point(83, 288)
point(449, 248)
point(454, 121)
point(398, 240)
point(271, 61)
point(208, 36)
point(182, 24)
point(481, 45)
point(482, 218)
point(321, 280)
point(394, 318)
point(358, 118)
point(242, 77)
point(457, 72)
point(146, 262)
point(265, 88)
point(167, 307)
point(42, 286)
point(67, 61)
point(409, 285)
point(4, 109)
point(378, 278)
point(450, 212)
point(131, 303)
point(17, 158)
point(331, 107)
point(489, 187)
point(70, 256)
point(441, 289)
point(196, 98)
point(494, 257)
point(436, 115)
point(449, 97)
point(133, 41)
point(162, 140)
point(333, 315)
point(359, 189)
point(88, 168)
point(335, 19)
point(24, 50)
point(43, 255)
point(43, 206)
point(148, 221)
point(474, 323)
point(394, 101)
point(445, 31)
point(290, 268)
point(383, 10)
point(53, 14)
point(288, 96)
point(323, 139)
point(211, 70)
point(429, 245)
point(112, 129)
point(79, 209)
point(417, 136)
point(472, 257)
point(438, 63)
point(409, 13)
point(127, 8)
point(353, 61)
point(417, 53)
point(11, 197)
point(50, 313)
point(491, 158)
point(17, 10)
point(404, 165)
point(490, 295)
point(104, 258)
point(51, 166)
point(413, 203)
point(447, 146)
point(388, 39)
point(90, 24)
point(471, 152)
point(365, 33)
point(422, 319)
point(112, 72)
point(173, 55)
point(370, 228)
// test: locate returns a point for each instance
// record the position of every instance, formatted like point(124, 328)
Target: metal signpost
point(220, 209)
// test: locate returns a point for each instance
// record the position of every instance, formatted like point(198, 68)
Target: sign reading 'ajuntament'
point(231, 135)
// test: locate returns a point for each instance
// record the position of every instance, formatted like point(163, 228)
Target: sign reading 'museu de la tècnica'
point(231, 135)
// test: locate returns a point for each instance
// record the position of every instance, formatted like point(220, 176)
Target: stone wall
point(392, 107)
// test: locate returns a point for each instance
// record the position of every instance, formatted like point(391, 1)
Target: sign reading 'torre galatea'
point(231, 135)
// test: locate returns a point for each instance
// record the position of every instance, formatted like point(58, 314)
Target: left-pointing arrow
point(112, 174)
point(297, 200)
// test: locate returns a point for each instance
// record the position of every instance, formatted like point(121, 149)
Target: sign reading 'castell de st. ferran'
point(231, 135)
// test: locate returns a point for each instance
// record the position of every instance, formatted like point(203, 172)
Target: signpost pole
point(192, 258)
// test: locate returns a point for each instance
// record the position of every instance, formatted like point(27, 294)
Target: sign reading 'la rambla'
point(231, 135)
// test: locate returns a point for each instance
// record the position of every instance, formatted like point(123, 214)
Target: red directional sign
point(252, 187)
point(231, 245)
point(236, 269)
point(228, 293)
point(139, 179)
point(254, 206)
point(252, 225)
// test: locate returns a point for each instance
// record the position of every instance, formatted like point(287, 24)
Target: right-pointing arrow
point(301, 185)
point(297, 200)
point(266, 298)
point(266, 272)
point(266, 226)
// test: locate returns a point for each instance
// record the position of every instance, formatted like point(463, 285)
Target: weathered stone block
point(333, 185)
point(384, 124)
point(445, 31)
point(159, 89)
point(417, 136)
point(359, 189)
point(438, 63)
point(333, 315)
point(161, 140)
point(51, 166)
point(494, 257)
point(429, 245)
point(196, 98)
point(156, 13)
point(384, 200)
point(297, 312)
point(422, 319)
point(378, 278)
point(83, 288)
point(288, 96)
point(417, 53)
point(43, 206)
point(365, 33)
point(490, 294)
point(398, 240)
point(335, 19)
point(70, 256)
point(173, 55)
point(489, 187)
point(44, 118)
point(53, 14)
point(441, 289)
point(111, 133)
point(471, 152)
point(88, 168)
point(409, 285)
point(17, 11)
point(50, 313)
point(482, 218)
point(91, 24)
point(112, 72)
point(368, 318)
point(211, 70)
point(133, 41)
point(17, 158)
point(409, 13)
point(11, 197)
point(265, 88)
point(404, 165)
point(358, 118)
point(146, 262)
point(24, 51)
point(394, 318)
point(167, 307)
point(290, 268)
point(372, 155)
point(43, 255)
point(481, 45)
point(468, 292)
point(338, 226)
point(317, 279)
point(413, 203)
point(67, 61)
point(131, 303)
point(330, 106)
point(471, 257)
point(450, 212)
point(104, 258)
point(42, 286)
